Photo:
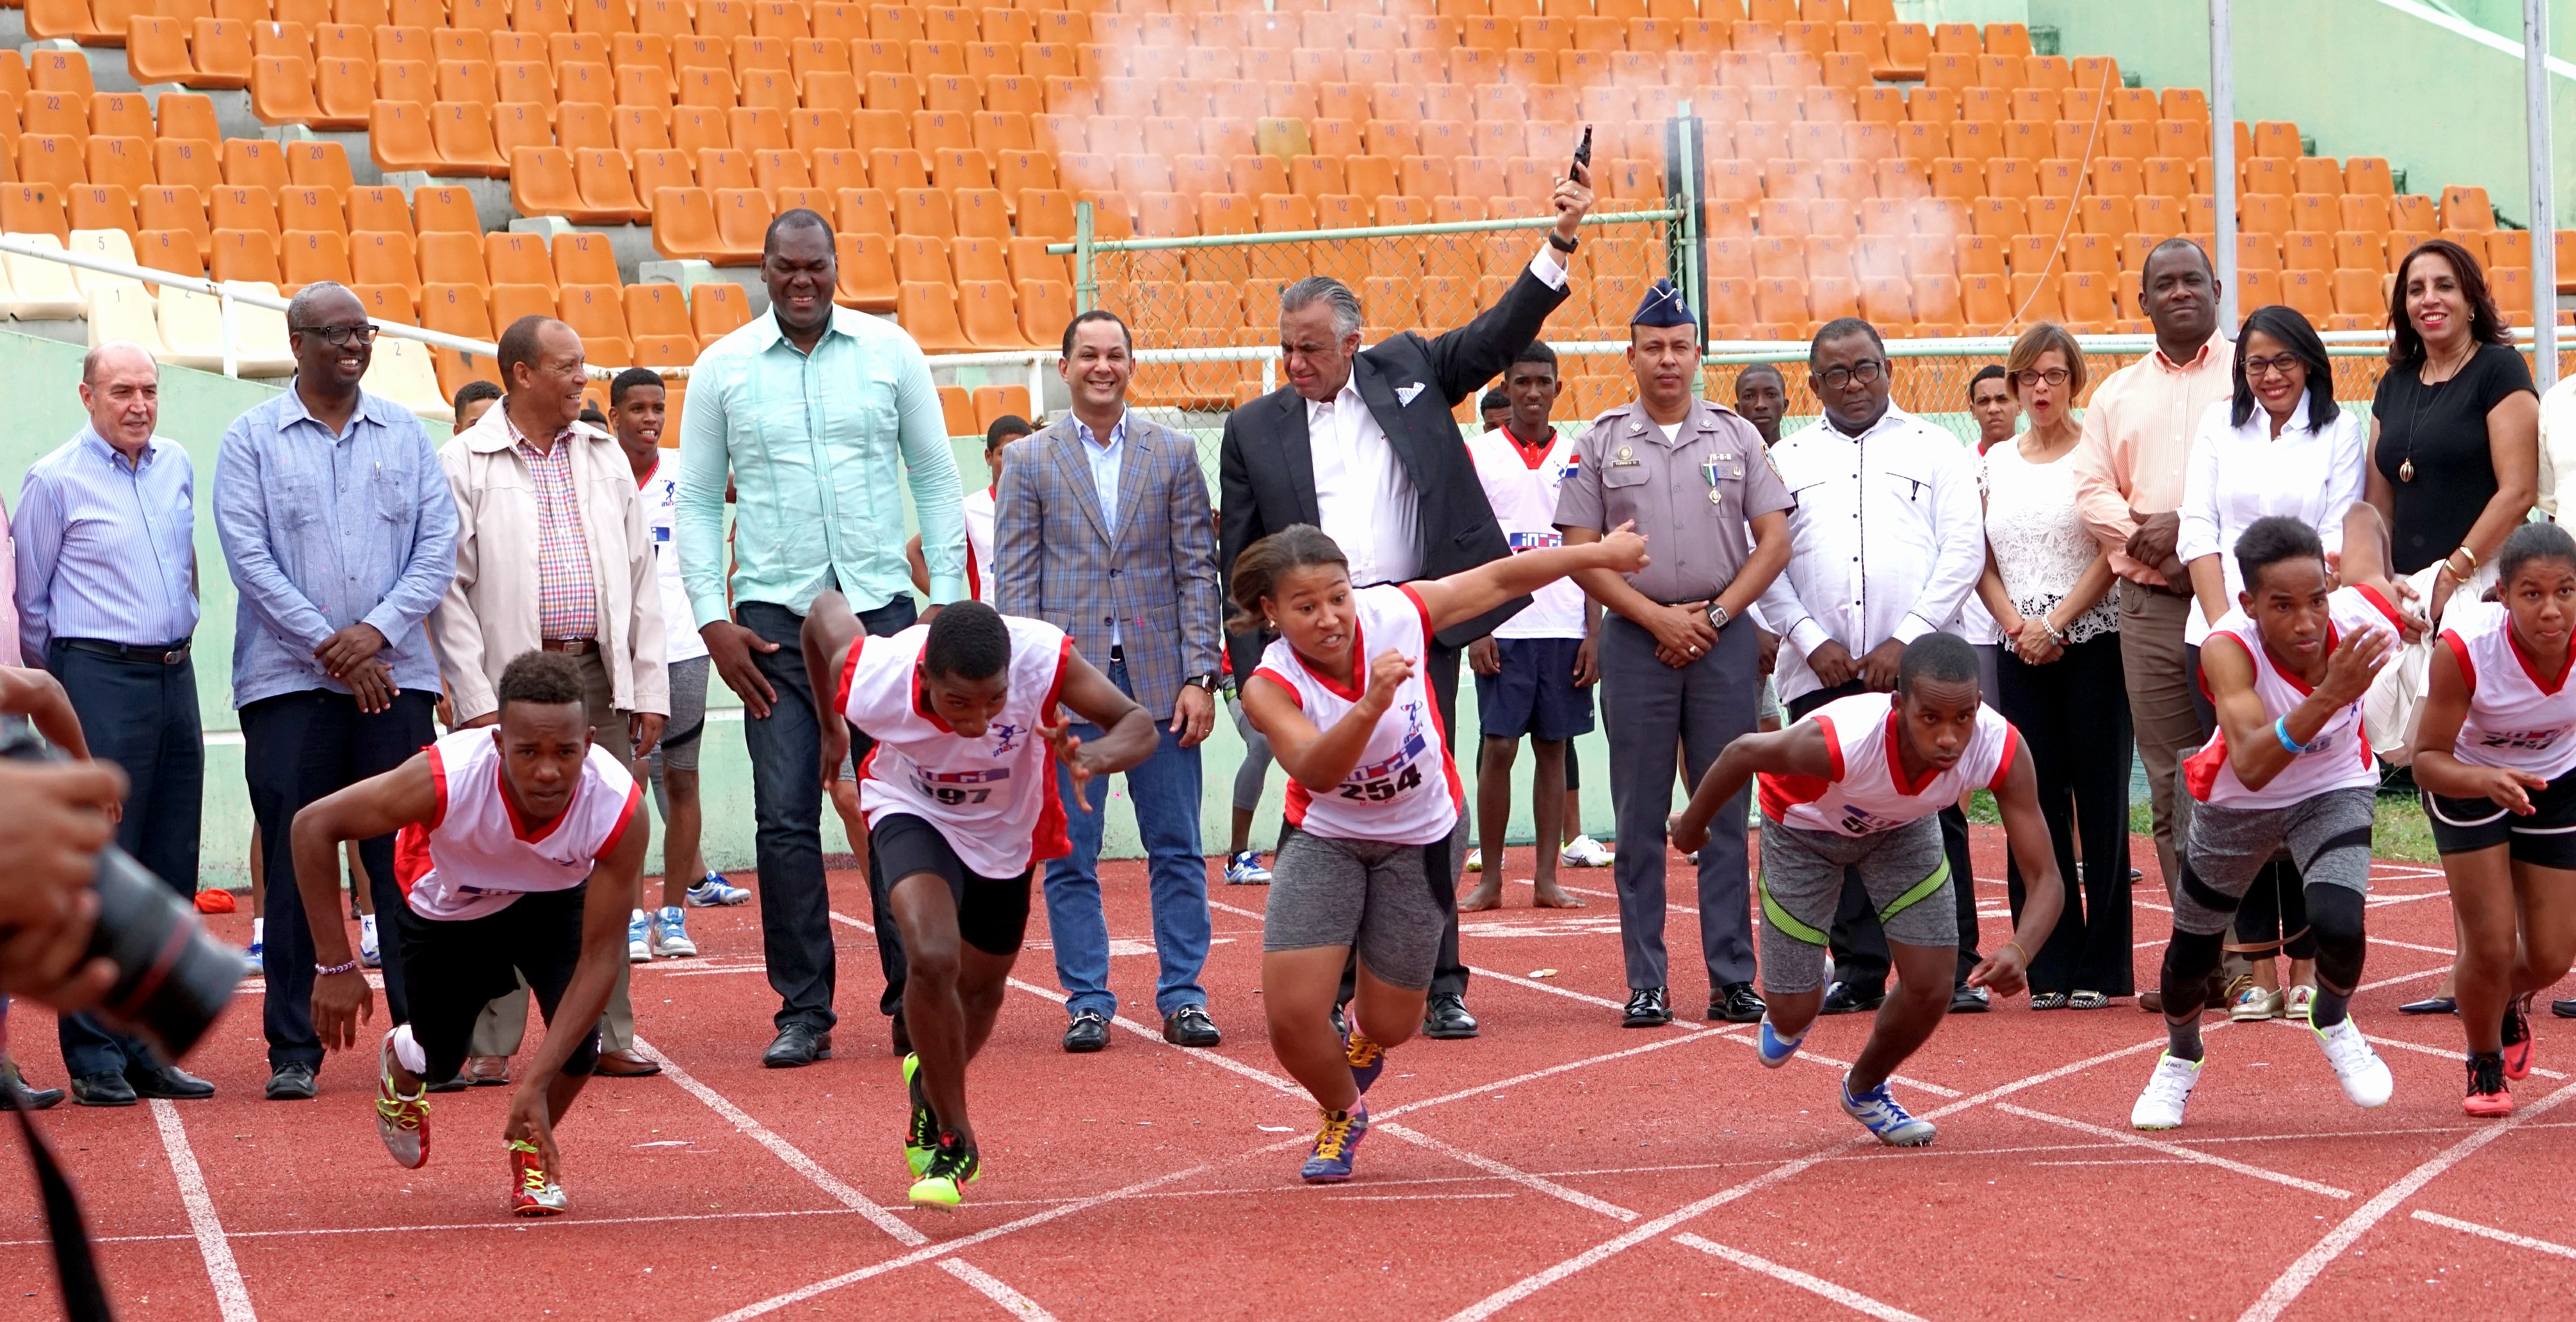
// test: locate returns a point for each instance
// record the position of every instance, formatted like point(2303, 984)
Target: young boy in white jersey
point(979, 515)
point(960, 797)
point(2495, 756)
point(1858, 784)
point(2289, 771)
point(514, 823)
point(1534, 671)
point(1372, 798)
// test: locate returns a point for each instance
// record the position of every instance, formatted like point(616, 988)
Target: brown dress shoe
point(624, 1064)
point(2153, 1002)
point(487, 1071)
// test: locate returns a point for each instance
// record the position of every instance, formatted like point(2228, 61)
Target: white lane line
point(2402, 1044)
point(1848, 1298)
point(1612, 895)
point(1845, 1066)
point(232, 1296)
point(2444, 951)
point(1570, 994)
point(991, 1287)
point(2175, 1150)
point(2490, 1232)
point(2402, 977)
point(1521, 1177)
point(785, 1151)
point(2311, 1264)
point(1247, 913)
point(1534, 1075)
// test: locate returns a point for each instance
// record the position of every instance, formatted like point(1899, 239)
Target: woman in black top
point(2455, 431)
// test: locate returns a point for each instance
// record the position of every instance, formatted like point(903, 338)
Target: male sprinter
point(502, 831)
point(960, 797)
point(1857, 784)
point(2289, 771)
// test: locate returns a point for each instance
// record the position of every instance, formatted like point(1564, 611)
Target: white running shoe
point(370, 952)
point(1585, 852)
point(1476, 860)
point(401, 1121)
point(2160, 1106)
point(2359, 1069)
point(671, 934)
point(639, 945)
point(715, 892)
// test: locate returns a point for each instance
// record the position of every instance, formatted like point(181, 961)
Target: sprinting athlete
point(960, 798)
point(2496, 760)
point(2289, 770)
point(514, 823)
point(1372, 798)
point(1858, 784)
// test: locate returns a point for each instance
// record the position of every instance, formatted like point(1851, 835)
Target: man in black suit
point(1364, 445)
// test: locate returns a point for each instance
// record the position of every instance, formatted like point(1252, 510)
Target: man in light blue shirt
point(107, 599)
point(340, 531)
point(812, 412)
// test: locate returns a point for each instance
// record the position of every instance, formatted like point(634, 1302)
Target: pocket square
point(1405, 394)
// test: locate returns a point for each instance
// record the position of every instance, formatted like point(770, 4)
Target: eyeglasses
point(2258, 368)
point(1866, 371)
point(361, 333)
point(2031, 376)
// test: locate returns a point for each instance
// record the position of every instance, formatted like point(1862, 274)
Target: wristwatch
point(1718, 616)
point(1560, 242)
point(1206, 680)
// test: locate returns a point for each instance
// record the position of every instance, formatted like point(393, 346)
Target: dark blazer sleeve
point(1239, 524)
point(1463, 360)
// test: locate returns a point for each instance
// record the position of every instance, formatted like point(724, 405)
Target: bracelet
point(2025, 955)
point(2463, 549)
point(335, 970)
point(2053, 633)
point(2281, 731)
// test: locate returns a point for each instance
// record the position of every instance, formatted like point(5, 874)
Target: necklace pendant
point(2406, 471)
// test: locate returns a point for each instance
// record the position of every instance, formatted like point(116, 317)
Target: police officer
point(1679, 662)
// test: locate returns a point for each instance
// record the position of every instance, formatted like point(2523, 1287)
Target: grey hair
point(1314, 289)
point(99, 354)
point(299, 308)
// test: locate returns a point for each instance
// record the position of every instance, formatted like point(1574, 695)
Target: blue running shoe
point(714, 893)
point(1774, 1049)
point(257, 958)
point(1878, 1112)
point(1331, 1161)
point(1368, 1060)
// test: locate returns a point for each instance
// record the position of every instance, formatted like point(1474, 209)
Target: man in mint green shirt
point(812, 411)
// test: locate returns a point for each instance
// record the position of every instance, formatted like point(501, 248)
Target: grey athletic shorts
point(2327, 836)
point(680, 735)
point(1379, 899)
point(1904, 871)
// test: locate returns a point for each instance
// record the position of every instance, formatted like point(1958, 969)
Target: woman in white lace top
point(2048, 584)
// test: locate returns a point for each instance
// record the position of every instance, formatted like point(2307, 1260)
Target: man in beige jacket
point(552, 553)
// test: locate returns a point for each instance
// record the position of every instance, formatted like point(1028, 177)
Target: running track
point(1557, 1167)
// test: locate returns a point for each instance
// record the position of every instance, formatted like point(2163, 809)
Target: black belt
point(1117, 654)
point(166, 655)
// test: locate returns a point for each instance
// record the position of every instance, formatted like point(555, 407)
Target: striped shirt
point(567, 599)
point(2137, 444)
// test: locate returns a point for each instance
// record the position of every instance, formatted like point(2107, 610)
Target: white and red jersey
point(480, 855)
point(1405, 788)
point(1521, 486)
point(1868, 791)
point(2339, 757)
point(2518, 717)
point(993, 797)
point(979, 544)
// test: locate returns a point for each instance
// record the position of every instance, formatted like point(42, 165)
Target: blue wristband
point(2281, 731)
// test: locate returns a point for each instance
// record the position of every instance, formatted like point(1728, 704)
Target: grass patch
point(2397, 829)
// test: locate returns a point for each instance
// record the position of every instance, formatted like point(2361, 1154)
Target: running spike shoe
point(1774, 1049)
point(715, 893)
point(921, 1133)
point(1330, 1162)
point(671, 933)
point(2359, 1069)
point(2517, 1037)
point(2488, 1096)
point(1368, 1060)
point(1245, 869)
point(1476, 859)
point(1878, 1112)
point(953, 1166)
point(532, 1191)
point(402, 1122)
point(1585, 852)
point(2167, 1091)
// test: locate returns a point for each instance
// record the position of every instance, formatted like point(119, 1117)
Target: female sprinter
point(2496, 760)
point(1372, 797)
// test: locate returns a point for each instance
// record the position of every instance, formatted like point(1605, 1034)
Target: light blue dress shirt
point(1105, 460)
point(105, 546)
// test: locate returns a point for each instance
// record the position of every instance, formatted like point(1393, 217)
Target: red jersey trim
point(438, 782)
point(2469, 669)
point(1420, 609)
point(2549, 686)
point(625, 819)
point(1833, 746)
point(849, 678)
point(1281, 680)
point(1063, 663)
point(411, 857)
point(1896, 764)
point(2003, 766)
point(921, 701)
point(2200, 770)
point(2371, 594)
point(518, 824)
point(1358, 689)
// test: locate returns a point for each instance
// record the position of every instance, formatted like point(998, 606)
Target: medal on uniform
point(1627, 458)
point(1708, 469)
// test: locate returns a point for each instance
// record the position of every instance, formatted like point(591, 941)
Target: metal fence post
point(224, 321)
point(1086, 290)
point(1683, 185)
point(2544, 200)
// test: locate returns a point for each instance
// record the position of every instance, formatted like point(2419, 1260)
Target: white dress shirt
point(1887, 540)
point(1364, 498)
point(2236, 475)
point(1107, 459)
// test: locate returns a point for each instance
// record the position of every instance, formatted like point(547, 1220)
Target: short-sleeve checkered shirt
point(567, 599)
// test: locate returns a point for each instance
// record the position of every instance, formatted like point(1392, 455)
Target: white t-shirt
point(994, 797)
point(2518, 717)
point(1868, 792)
point(1404, 789)
point(2339, 756)
point(680, 641)
point(979, 544)
point(1524, 500)
point(481, 857)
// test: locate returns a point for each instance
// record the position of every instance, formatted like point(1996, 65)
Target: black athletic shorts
point(2545, 839)
point(451, 968)
point(992, 912)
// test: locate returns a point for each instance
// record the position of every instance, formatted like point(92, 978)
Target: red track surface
point(1556, 1167)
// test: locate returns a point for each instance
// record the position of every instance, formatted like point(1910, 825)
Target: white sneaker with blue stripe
point(671, 933)
point(714, 893)
point(1878, 1112)
point(1774, 1049)
point(639, 946)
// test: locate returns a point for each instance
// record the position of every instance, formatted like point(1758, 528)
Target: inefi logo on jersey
point(1860, 821)
point(2533, 740)
point(1003, 734)
point(1535, 541)
point(987, 776)
point(1414, 744)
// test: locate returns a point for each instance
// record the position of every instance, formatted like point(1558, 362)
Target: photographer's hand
point(48, 861)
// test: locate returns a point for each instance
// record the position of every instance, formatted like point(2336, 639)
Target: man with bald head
point(340, 534)
point(107, 599)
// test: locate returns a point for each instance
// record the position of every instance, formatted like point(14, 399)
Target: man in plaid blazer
point(1102, 528)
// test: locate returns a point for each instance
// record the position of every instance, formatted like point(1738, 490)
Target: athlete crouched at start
point(519, 849)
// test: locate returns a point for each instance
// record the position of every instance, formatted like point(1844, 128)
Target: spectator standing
point(1998, 416)
point(1886, 543)
point(340, 534)
point(1364, 445)
point(1495, 407)
point(1761, 398)
point(2047, 585)
point(978, 509)
point(106, 601)
point(1105, 532)
point(810, 411)
point(531, 476)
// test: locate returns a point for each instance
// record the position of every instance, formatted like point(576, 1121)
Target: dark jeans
point(2074, 719)
point(1449, 974)
point(296, 748)
point(786, 749)
point(142, 716)
point(1858, 943)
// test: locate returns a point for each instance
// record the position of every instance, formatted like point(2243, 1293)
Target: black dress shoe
point(168, 1081)
point(13, 1084)
point(1445, 1017)
point(2451, 1005)
point(458, 1084)
point(1845, 998)
point(291, 1082)
point(1735, 1003)
point(1190, 1026)
point(102, 1090)
point(797, 1045)
point(1088, 1032)
point(1648, 1007)
point(902, 1036)
point(1965, 999)
point(2563, 1009)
